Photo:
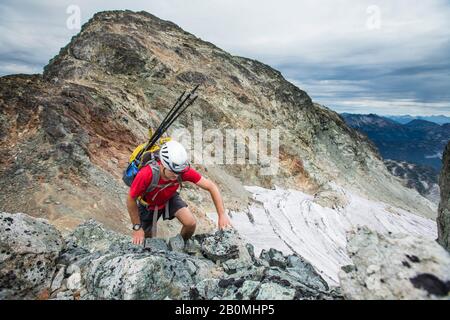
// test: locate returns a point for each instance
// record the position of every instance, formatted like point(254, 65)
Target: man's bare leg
point(187, 219)
point(148, 234)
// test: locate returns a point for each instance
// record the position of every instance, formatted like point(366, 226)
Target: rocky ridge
point(96, 263)
point(67, 134)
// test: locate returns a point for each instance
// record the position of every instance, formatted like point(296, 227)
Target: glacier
point(292, 222)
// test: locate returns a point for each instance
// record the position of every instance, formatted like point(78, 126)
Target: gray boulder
point(206, 289)
point(74, 282)
point(145, 275)
point(29, 248)
point(394, 267)
point(294, 266)
point(235, 289)
point(306, 272)
point(193, 247)
point(155, 244)
point(176, 243)
point(137, 276)
point(58, 278)
point(225, 245)
point(274, 257)
point(114, 268)
point(233, 265)
point(305, 290)
point(92, 236)
point(251, 251)
point(242, 290)
point(248, 290)
point(274, 291)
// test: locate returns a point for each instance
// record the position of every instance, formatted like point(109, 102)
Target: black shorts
point(175, 203)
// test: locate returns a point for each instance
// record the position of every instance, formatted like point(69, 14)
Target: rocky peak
point(363, 120)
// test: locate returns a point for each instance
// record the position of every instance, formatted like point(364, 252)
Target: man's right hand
point(138, 236)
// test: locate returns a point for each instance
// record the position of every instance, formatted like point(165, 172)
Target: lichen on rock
point(396, 266)
point(29, 249)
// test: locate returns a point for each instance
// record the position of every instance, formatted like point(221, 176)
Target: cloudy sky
point(385, 57)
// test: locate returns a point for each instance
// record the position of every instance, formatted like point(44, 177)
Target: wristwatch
point(136, 226)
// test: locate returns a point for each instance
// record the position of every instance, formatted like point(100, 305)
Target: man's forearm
point(133, 210)
point(217, 199)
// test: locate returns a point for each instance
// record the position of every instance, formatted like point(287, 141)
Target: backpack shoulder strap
point(180, 181)
point(155, 177)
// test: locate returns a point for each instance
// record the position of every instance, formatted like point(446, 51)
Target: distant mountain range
point(418, 141)
point(412, 151)
point(440, 119)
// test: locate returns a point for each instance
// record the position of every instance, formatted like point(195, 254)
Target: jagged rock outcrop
point(394, 266)
point(68, 133)
point(443, 220)
point(96, 263)
point(29, 249)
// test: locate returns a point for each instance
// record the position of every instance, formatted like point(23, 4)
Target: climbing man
point(145, 208)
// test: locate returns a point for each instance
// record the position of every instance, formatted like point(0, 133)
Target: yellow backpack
point(147, 155)
point(139, 159)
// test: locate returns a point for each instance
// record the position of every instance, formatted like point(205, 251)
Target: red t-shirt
point(144, 178)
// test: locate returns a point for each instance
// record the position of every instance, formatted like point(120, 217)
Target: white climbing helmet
point(173, 156)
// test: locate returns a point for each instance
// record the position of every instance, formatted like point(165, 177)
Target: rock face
point(443, 219)
point(69, 132)
point(394, 267)
point(421, 178)
point(29, 249)
point(96, 263)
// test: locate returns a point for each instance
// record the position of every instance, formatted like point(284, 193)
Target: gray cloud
point(325, 47)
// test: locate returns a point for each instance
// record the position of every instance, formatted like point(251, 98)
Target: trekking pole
point(152, 141)
point(172, 110)
point(173, 116)
point(161, 125)
point(176, 117)
point(191, 97)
